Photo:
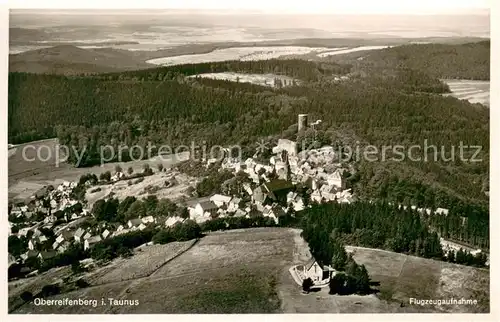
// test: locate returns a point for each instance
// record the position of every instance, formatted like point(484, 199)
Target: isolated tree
point(123, 207)
point(130, 170)
point(76, 267)
point(26, 296)
point(151, 204)
point(351, 267)
point(49, 290)
point(118, 169)
point(147, 169)
point(362, 280)
point(106, 176)
point(99, 208)
point(136, 210)
point(307, 284)
point(160, 167)
point(81, 283)
point(166, 207)
point(15, 245)
point(337, 283)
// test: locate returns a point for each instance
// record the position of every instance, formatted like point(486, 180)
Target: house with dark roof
point(29, 254)
point(88, 243)
point(206, 208)
point(46, 255)
point(273, 191)
point(134, 222)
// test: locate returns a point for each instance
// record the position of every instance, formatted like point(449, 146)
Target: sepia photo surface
point(252, 158)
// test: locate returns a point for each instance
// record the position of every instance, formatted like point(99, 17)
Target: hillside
point(71, 60)
point(463, 61)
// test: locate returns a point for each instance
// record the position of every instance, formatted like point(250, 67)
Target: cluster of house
point(316, 169)
point(48, 202)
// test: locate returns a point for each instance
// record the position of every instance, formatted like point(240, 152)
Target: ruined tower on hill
point(302, 122)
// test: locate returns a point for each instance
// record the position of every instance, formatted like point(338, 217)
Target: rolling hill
point(72, 60)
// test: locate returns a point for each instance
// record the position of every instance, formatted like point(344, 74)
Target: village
point(54, 218)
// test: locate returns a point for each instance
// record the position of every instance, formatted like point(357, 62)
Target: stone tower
point(302, 122)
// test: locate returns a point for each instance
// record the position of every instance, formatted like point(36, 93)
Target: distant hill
point(71, 60)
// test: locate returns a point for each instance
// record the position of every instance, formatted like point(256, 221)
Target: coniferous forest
point(390, 98)
point(380, 225)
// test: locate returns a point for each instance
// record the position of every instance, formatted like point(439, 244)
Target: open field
point(147, 259)
point(402, 277)
point(230, 272)
point(341, 51)
point(26, 177)
point(121, 189)
point(237, 53)
point(470, 90)
point(257, 79)
point(246, 271)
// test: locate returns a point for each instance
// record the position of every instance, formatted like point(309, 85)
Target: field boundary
point(180, 252)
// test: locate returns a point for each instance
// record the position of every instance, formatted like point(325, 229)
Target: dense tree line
point(112, 210)
point(375, 225)
point(465, 223)
point(466, 258)
point(121, 245)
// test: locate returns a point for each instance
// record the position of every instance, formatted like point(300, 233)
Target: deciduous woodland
point(391, 97)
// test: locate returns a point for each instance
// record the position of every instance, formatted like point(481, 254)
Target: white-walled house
point(205, 208)
point(240, 213)
point(134, 223)
point(336, 179)
point(24, 231)
point(316, 273)
point(148, 220)
point(46, 255)
point(298, 203)
point(234, 204)
point(220, 200)
point(63, 247)
point(316, 196)
point(91, 242)
point(171, 221)
point(105, 234)
point(79, 233)
point(286, 145)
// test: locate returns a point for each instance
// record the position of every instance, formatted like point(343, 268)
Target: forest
point(462, 61)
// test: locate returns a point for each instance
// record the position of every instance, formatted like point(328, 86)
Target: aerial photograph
point(315, 157)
